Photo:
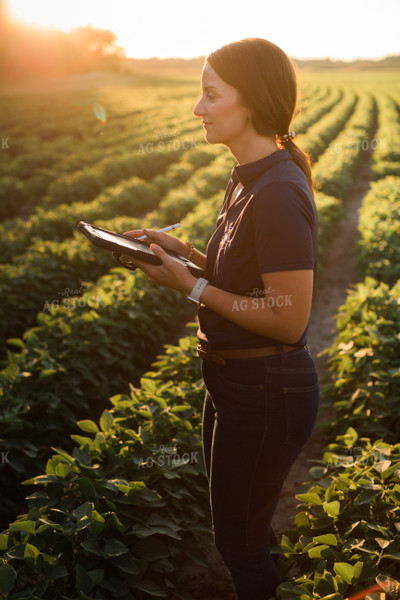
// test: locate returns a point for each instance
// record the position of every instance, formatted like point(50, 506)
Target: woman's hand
point(169, 242)
point(169, 274)
point(166, 241)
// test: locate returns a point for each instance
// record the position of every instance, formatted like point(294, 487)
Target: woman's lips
point(205, 123)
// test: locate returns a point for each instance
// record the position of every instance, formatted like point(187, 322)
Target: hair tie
point(286, 137)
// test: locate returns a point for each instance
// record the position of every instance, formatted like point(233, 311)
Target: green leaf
point(96, 575)
point(7, 578)
point(92, 546)
point(11, 371)
point(106, 420)
point(97, 524)
point(150, 588)
point(57, 572)
point(142, 532)
point(345, 571)
point(286, 544)
point(83, 510)
point(49, 523)
point(86, 487)
point(366, 497)
point(62, 470)
point(392, 555)
point(302, 521)
point(115, 547)
point(82, 440)
point(127, 564)
point(358, 567)
point(332, 508)
point(325, 584)
point(88, 425)
point(310, 498)
point(287, 587)
point(31, 554)
point(165, 566)
point(15, 342)
point(328, 538)
point(28, 526)
point(180, 408)
point(84, 583)
point(3, 541)
point(322, 551)
point(64, 454)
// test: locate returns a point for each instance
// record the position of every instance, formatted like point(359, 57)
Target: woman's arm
point(282, 314)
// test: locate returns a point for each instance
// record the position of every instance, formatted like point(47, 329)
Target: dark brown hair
point(266, 80)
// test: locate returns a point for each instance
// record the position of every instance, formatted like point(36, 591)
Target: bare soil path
point(339, 273)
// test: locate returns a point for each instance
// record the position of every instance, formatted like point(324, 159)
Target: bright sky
point(340, 29)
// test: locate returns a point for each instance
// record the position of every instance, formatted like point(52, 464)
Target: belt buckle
point(200, 351)
point(208, 355)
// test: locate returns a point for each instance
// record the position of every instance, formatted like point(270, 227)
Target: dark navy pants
point(258, 414)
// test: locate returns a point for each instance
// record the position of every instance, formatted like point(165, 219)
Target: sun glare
point(45, 13)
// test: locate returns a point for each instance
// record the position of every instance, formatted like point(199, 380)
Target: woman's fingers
point(150, 235)
point(165, 240)
point(153, 234)
point(134, 233)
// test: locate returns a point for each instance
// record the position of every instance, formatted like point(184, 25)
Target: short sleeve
point(283, 220)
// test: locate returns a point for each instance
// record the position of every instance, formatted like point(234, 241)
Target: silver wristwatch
point(194, 296)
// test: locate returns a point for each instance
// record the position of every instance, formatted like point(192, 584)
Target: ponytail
point(301, 159)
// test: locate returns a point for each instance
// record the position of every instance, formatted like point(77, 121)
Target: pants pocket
point(301, 409)
point(244, 375)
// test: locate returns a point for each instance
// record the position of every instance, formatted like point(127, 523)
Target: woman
point(254, 304)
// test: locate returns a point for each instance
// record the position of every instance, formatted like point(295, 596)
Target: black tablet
point(122, 244)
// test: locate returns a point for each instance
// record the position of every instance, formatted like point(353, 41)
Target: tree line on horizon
point(154, 64)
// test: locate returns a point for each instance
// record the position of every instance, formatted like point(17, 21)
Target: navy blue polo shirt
point(272, 226)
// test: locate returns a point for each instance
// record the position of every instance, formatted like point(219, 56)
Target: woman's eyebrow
point(209, 87)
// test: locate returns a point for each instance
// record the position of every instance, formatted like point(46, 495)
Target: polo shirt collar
point(249, 171)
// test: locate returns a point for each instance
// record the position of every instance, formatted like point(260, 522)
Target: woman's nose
point(199, 109)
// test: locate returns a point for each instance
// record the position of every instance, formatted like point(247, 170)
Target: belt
point(218, 356)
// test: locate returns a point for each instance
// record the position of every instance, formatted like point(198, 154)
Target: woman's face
point(224, 119)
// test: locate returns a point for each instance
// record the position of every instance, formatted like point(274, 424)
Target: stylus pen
point(174, 226)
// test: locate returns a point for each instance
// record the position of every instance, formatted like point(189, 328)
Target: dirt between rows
point(338, 274)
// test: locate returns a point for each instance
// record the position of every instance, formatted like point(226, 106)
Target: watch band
point(197, 290)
